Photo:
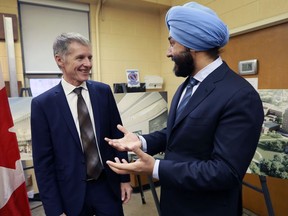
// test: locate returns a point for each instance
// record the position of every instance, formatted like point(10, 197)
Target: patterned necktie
point(94, 166)
point(192, 82)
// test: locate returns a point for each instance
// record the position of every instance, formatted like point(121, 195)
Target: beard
point(184, 64)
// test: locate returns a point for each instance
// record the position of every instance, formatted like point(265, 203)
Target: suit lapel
point(173, 107)
point(202, 92)
point(64, 107)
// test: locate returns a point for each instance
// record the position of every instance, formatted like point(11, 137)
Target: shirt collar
point(204, 72)
point(68, 88)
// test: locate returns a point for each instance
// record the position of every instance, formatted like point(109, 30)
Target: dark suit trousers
point(100, 200)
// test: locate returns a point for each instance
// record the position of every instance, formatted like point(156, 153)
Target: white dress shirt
point(72, 102)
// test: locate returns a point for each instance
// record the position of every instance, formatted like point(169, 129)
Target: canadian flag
point(13, 194)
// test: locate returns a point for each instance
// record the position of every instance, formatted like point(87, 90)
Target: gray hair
point(62, 42)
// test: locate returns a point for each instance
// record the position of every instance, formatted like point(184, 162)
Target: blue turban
point(196, 27)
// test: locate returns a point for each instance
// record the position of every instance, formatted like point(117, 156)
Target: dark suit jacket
point(208, 150)
point(58, 158)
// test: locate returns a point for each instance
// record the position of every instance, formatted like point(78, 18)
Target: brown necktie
point(94, 166)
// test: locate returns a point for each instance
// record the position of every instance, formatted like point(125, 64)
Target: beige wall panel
point(241, 16)
point(8, 10)
point(115, 72)
point(129, 39)
point(19, 67)
point(122, 28)
point(165, 2)
point(229, 5)
point(4, 67)
point(3, 51)
point(105, 26)
point(181, 2)
point(18, 49)
point(6, 4)
point(124, 42)
point(270, 8)
point(152, 68)
point(162, 2)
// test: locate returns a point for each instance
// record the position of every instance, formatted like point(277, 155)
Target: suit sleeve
point(158, 140)
point(43, 160)
point(235, 139)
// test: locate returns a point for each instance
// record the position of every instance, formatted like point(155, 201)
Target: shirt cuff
point(143, 143)
point(156, 169)
point(155, 173)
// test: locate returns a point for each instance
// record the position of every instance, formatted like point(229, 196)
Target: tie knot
point(192, 82)
point(77, 90)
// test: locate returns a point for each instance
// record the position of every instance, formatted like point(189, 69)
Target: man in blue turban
point(213, 128)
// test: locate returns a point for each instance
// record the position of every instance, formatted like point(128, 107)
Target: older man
point(213, 126)
point(68, 124)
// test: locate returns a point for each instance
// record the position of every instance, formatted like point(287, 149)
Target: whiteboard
point(40, 25)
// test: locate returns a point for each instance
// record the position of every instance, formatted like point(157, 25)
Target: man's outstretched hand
point(129, 142)
point(143, 165)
